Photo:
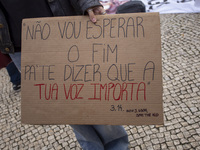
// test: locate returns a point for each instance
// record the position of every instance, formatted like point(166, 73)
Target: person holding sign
point(90, 137)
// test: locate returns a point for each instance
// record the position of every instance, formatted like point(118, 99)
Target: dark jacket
point(10, 25)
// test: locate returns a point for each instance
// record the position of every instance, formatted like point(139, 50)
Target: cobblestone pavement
point(181, 81)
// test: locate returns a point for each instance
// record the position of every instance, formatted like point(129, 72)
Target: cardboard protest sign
point(77, 72)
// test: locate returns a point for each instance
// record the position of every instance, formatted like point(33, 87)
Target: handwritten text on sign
point(115, 62)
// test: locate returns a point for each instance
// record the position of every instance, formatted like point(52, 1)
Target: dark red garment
point(4, 60)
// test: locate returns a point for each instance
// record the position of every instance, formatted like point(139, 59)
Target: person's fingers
point(99, 10)
point(102, 11)
point(95, 11)
point(91, 15)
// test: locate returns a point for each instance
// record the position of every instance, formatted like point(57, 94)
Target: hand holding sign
point(98, 10)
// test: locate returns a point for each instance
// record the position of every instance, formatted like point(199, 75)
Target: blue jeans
point(15, 75)
point(94, 137)
point(16, 58)
point(101, 137)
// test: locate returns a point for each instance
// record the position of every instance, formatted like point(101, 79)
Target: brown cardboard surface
point(77, 72)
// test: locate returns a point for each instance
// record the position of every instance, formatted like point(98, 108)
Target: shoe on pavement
point(16, 87)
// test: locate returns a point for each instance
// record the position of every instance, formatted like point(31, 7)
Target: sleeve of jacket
point(83, 5)
point(6, 45)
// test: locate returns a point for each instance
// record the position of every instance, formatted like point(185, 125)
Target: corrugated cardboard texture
point(77, 72)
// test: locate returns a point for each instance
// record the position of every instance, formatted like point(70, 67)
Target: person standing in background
point(90, 137)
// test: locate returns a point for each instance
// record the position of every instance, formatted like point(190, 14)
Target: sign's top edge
point(101, 16)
